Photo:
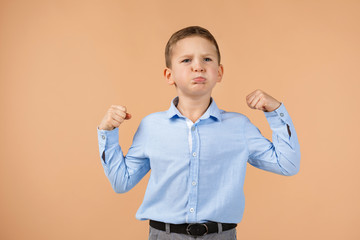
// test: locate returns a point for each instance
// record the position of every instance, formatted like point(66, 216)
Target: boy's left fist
point(262, 101)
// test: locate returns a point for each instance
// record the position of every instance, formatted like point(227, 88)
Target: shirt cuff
point(108, 138)
point(278, 117)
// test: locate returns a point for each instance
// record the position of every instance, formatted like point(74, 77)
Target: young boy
point(197, 153)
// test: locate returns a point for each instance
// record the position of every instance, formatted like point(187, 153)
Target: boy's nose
point(197, 67)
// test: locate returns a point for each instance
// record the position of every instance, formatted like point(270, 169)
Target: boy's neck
point(193, 108)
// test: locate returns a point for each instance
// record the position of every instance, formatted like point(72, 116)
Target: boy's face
point(194, 67)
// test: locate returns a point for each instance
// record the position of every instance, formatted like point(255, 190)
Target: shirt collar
point(212, 111)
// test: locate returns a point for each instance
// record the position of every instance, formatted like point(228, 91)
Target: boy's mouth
point(199, 80)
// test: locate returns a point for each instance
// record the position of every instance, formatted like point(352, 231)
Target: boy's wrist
point(274, 107)
point(107, 137)
point(106, 128)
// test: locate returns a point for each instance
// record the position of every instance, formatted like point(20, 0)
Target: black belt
point(194, 229)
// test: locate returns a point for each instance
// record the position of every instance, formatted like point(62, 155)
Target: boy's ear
point(168, 76)
point(220, 72)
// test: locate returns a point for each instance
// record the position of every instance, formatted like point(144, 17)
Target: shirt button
point(193, 128)
point(103, 137)
point(281, 114)
point(193, 183)
point(194, 154)
point(192, 210)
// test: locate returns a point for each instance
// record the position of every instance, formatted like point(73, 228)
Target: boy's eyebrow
point(190, 55)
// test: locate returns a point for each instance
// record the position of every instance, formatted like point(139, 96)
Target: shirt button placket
point(194, 171)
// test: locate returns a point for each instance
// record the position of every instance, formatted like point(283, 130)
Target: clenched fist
point(262, 101)
point(114, 117)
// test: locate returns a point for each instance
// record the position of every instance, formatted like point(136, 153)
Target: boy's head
point(193, 62)
point(191, 31)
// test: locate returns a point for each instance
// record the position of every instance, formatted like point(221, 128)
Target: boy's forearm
point(285, 140)
point(112, 159)
point(118, 167)
point(282, 155)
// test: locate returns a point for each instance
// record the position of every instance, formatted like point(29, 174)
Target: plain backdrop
point(63, 63)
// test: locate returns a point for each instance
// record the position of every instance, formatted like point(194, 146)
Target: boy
point(197, 152)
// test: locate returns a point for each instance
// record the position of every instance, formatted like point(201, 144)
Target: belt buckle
point(197, 232)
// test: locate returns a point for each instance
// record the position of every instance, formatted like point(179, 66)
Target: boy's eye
point(207, 59)
point(186, 60)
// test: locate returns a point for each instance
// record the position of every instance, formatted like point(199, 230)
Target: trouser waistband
point(194, 229)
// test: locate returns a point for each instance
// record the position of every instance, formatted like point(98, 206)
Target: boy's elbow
point(294, 167)
point(119, 191)
point(292, 172)
point(121, 188)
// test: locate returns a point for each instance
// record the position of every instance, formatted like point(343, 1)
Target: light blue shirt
point(206, 183)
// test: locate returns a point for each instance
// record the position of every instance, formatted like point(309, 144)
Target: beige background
point(63, 63)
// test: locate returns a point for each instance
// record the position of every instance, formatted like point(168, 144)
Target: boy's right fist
point(114, 117)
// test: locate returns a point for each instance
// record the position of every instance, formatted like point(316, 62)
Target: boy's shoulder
point(155, 117)
point(233, 117)
point(230, 115)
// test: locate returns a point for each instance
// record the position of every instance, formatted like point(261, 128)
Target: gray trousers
point(155, 234)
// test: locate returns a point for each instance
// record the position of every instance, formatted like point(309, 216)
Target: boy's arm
point(282, 155)
point(123, 172)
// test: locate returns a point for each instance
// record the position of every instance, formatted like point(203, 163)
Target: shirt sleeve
point(282, 155)
point(123, 172)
